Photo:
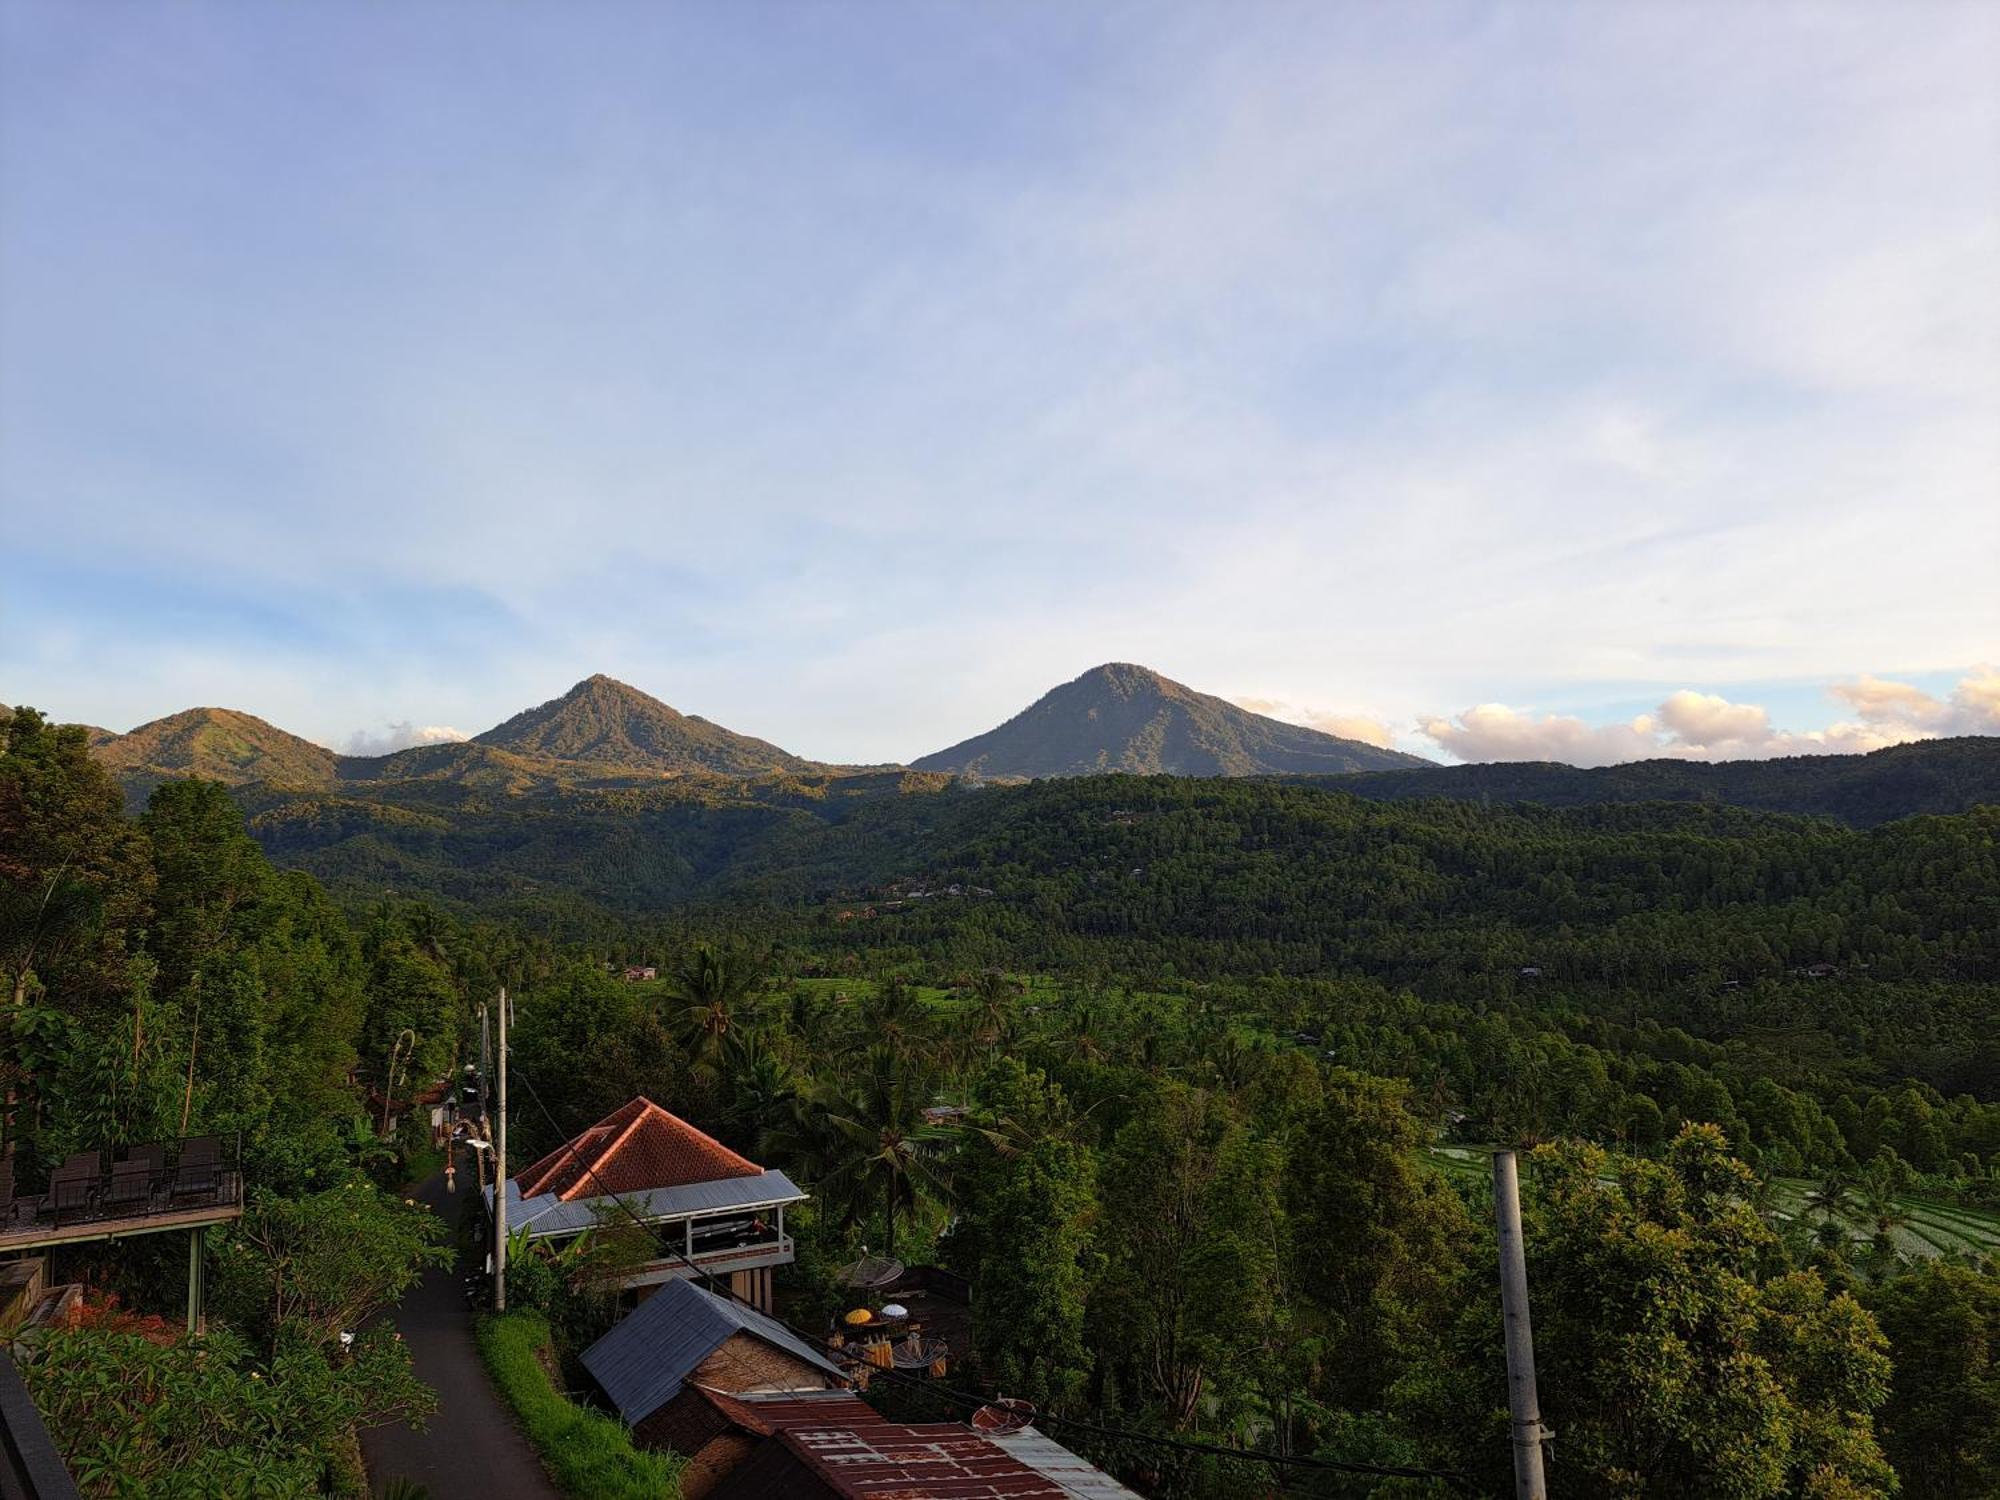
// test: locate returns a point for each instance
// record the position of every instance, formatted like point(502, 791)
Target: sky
point(1552, 380)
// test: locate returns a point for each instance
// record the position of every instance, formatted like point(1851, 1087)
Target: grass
point(421, 1165)
point(588, 1454)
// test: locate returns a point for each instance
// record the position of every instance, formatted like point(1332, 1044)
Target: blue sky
point(1478, 377)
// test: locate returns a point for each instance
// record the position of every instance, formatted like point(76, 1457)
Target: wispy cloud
point(1372, 356)
point(1690, 725)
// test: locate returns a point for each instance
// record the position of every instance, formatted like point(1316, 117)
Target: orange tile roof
point(634, 1149)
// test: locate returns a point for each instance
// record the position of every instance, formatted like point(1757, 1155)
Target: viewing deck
point(187, 1184)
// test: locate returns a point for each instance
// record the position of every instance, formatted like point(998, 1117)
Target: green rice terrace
point(1928, 1230)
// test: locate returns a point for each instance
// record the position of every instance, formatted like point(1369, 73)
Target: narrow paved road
point(470, 1450)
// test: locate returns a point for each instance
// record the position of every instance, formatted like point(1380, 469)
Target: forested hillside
point(1932, 776)
point(165, 981)
point(1193, 1032)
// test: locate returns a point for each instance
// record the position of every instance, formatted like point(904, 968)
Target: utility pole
point(500, 1172)
point(1522, 1404)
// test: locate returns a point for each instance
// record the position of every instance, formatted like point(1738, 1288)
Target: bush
point(197, 1419)
point(588, 1454)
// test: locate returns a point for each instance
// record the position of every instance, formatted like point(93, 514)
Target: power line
point(1186, 1445)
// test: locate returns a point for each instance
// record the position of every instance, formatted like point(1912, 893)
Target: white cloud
point(400, 735)
point(1706, 726)
point(1366, 728)
point(1493, 731)
point(1973, 708)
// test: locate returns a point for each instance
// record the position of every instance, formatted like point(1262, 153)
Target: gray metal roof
point(1050, 1459)
point(549, 1215)
point(643, 1360)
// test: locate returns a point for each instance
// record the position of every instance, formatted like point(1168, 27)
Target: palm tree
point(1083, 1033)
point(992, 993)
point(893, 1017)
point(879, 1148)
point(762, 1083)
point(1879, 1205)
point(710, 986)
point(1829, 1195)
point(1013, 1135)
point(1763, 1195)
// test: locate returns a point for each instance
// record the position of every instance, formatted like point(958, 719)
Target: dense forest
point(1207, 1045)
point(481, 827)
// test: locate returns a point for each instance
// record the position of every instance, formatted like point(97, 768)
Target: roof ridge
point(675, 1120)
point(574, 1191)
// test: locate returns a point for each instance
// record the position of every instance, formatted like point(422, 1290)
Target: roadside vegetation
point(589, 1454)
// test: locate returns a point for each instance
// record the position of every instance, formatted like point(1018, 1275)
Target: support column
point(197, 1238)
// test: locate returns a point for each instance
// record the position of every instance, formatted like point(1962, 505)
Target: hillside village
point(794, 1202)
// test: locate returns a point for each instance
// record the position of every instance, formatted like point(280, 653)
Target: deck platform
point(24, 1230)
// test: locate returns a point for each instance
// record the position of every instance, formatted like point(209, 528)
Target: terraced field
point(1932, 1229)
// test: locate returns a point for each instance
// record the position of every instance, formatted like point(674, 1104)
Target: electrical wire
point(1185, 1445)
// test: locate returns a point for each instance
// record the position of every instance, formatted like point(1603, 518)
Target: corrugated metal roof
point(550, 1215)
point(1045, 1455)
point(766, 1412)
point(643, 1360)
point(941, 1461)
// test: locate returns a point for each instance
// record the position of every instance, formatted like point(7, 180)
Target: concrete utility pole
point(500, 1173)
point(1521, 1400)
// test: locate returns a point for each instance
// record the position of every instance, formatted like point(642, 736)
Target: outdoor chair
point(71, 1195)
point(195, 1178)
point(131, 1186)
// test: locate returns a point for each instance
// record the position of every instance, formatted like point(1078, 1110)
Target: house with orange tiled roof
point(715, 1212)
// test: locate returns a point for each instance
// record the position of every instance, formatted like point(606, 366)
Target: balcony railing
point(172, 1179)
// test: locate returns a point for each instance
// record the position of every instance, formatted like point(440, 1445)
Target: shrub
point(588, 1454)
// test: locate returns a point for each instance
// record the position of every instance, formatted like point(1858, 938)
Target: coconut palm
point(1085, 1033)
point(761, 1081)
point(992, 995)
point(877, 1148)
point(1828, 1197)
point(1878, 1204)
point(893, 1017)
point(710, 985)
point(1763, 1195)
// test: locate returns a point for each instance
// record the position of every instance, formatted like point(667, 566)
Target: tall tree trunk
point(889, 1208)
point(194, 1046)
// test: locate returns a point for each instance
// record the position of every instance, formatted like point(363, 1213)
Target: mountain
point(1930, 776)
point(218, 744)
point(603, 722)
point(1121, 717)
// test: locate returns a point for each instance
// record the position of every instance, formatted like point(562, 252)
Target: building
point(883, 1460)
point(716, 1213)
point(674, 1365)
point(717, 1431)
point(759, 1411)
point(634, 973)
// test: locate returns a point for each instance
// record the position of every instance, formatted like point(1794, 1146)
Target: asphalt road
point(470, 1450)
